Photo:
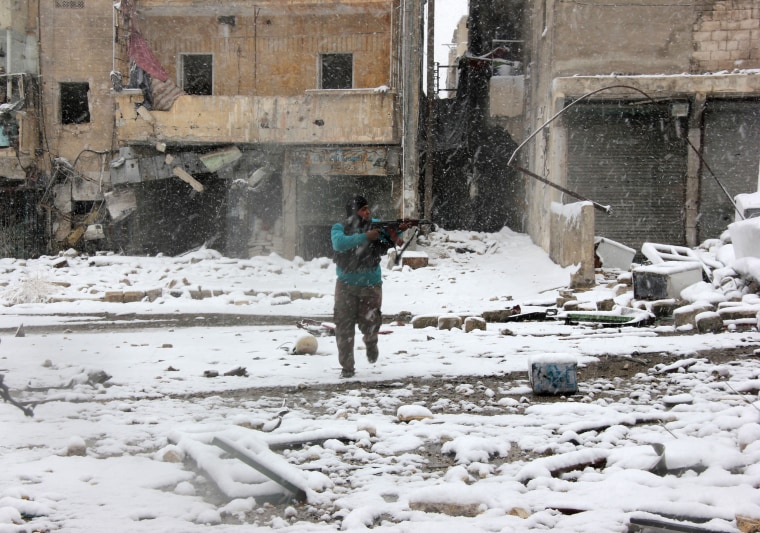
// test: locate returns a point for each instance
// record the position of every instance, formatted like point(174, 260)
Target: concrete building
point(164, 126)
point(661, 103)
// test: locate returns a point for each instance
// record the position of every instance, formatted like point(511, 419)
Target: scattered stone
point(451, 509)
point(687, 314)
point(709, 322)
point(210, 373)
point(474, 322)
point(425, 321)
point(114, 296)
point(239, 371)
point(407, 413)
point(500, 315)
point(449, 322)
point(76, 447)
point(608, 304)
point(167, 345)
point(306, 344)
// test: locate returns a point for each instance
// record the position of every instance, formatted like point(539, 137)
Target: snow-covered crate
point(665, 280)
point(553, 374)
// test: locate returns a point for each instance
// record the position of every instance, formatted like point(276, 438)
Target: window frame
point(182, 72)
point(321, 70)
point(71, 114)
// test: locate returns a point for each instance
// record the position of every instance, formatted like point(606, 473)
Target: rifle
point(392, 227)
point(394, 224)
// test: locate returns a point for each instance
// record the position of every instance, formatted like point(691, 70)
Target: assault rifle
point(393, 227)
point(395, 224)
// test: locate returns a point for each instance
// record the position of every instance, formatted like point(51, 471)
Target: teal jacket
point(342, 243)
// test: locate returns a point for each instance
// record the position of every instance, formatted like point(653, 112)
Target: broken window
point(75, 104)
point(197, 74)
point(336, 71)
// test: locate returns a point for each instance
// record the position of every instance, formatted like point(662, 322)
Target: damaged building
point(165, 126)
point(650, 108)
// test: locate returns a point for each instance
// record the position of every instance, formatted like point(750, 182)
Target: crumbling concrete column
point(572, 240)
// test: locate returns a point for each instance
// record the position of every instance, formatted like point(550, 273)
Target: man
point(358, 289)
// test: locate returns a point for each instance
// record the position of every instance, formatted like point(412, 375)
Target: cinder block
point(114, 297)
point(553, 374)
point(133, 296)
point(414, 260)
point(665, 280)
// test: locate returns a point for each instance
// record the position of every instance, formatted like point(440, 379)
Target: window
point(197, 74)
point(75, 104)
point(336, 71)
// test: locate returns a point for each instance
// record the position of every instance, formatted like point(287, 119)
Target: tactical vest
point(365, 256)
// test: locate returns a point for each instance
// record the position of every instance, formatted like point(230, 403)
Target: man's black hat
point(356, 203)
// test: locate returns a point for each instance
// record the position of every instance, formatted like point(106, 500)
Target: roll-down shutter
point(631, 158)
point(732, 151)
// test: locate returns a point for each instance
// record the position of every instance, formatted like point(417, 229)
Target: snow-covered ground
point(105, 454)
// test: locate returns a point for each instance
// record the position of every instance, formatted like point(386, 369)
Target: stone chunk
point(687, 314)
point(709, 322)
point(474, 322)
point(425, 321)
point(449, 321)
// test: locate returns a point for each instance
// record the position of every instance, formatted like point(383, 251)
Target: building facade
point(165, 126)
point(651, 108)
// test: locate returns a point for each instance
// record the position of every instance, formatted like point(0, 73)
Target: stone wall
point(727, 36)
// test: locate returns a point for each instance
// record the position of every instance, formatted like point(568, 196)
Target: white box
point(553, 374)
point(665, 280)
point(613, 254)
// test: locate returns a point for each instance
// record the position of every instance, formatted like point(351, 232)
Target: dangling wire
point(607, 209)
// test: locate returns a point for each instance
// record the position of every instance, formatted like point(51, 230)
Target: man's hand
point(373, 234)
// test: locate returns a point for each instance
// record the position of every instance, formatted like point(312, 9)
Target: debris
point(622, 316)
point(319, 329)
point(613, 254)
point(210, 373)
point(407, 413)
point(451, 509)
point(665, 280)
point(306, 344)
point(257, 455)
point(553, 374)
point(20, 331)
point(186, 177)
point(239, 371)
point(5, 394)
point(215, 160)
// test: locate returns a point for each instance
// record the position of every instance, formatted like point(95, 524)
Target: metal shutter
point(629, 157)
point(732, 150)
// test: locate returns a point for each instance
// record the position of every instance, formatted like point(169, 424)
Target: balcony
point(357, 116)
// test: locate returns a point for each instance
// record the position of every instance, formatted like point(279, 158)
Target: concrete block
point(425, 321)
point(449, 321)
point(133, 296)
point(414, 260)
point(687, 314)
point(472, 323)
point(553, 374)
point(114, 296)
point(709, 322)
point(665, 280)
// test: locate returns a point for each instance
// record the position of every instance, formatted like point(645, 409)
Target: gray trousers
point(356, 306)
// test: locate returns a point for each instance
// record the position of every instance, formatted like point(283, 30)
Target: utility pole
point(430, 148)
point(411, 71)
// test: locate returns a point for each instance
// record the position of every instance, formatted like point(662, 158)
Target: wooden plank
point(268, 463)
